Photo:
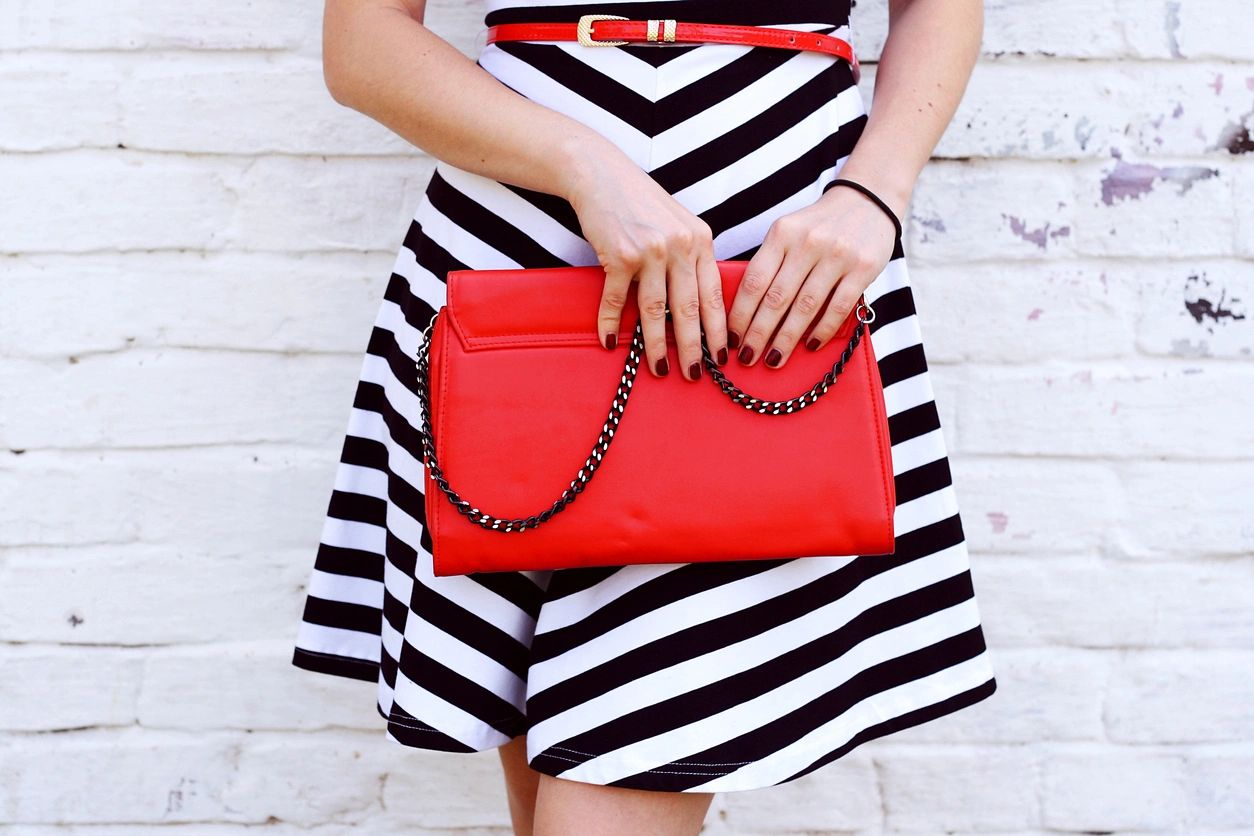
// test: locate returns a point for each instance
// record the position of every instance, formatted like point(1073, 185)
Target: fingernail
point(746, 355)
point(662, 366)
point(611, 340)
point(733, 339)
point(813, 344)
point(722, 356)
point(694, 371)
point(772, 357)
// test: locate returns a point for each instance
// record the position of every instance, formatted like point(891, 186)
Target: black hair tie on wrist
point(892, 216)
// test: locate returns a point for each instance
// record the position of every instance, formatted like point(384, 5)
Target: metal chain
point(635, 353)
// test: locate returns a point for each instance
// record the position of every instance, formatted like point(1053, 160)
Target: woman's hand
point(379, 59)
point(842, 241)
point(639, 231)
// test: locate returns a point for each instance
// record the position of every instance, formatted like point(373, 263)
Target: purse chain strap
point(635, 354)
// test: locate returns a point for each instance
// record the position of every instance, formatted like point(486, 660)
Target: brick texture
point(192, 227)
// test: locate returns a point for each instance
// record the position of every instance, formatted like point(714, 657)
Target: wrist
point(576, 160)
point(893, 186)
point(873, 198)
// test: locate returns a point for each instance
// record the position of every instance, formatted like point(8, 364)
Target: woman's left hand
point(841, 241)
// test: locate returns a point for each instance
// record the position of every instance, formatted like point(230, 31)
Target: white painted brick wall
point(190, 225)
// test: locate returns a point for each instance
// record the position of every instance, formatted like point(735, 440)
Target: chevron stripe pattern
point(675, 677)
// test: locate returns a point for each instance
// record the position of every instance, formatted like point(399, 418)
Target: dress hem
point(414, 734)
point(656, 779)
point(333, 664)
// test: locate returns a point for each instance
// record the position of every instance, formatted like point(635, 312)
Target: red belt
point(613, 30)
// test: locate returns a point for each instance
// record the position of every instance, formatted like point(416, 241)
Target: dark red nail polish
point(773, 357)
point(663, 367)
point(611, 340)
point(746, 355)
point(722, 356)
point(694, 371)
point(813, 344)
point(733, 339)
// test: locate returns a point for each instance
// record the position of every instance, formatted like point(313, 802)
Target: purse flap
point(515, 307)
point(511, 307)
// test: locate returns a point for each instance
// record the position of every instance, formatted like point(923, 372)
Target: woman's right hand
point(639, 231)
point(379, 59)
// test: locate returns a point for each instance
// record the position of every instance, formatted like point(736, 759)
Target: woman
point(621, 699)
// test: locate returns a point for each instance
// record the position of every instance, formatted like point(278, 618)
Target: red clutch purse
point(515, 389)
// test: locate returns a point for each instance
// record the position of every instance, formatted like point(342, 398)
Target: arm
point(928, 57)
point(843, 240)
point(379, 59)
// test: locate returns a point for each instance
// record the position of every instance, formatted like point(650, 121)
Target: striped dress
point(673, 677)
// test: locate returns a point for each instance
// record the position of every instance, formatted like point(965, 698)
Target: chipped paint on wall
point(1041, 236)
point(1188, 348)
point(1131, 181)
point(1084, 133)
point(1203, 308)
point(1172, 24)
point(931, 224)
point(1235, 136)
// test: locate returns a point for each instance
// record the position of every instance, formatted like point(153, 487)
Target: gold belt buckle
point(583, 30)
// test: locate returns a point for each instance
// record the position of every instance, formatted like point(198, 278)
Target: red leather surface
point(520, 387)
point(637, 31)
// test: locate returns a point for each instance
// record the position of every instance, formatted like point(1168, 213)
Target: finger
point(753, 284)
point(651, 299)
point(685, 305)
point(713, 306)
point(613, 300)
point(806, 307)
point(848, 291)
point(774, 305)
